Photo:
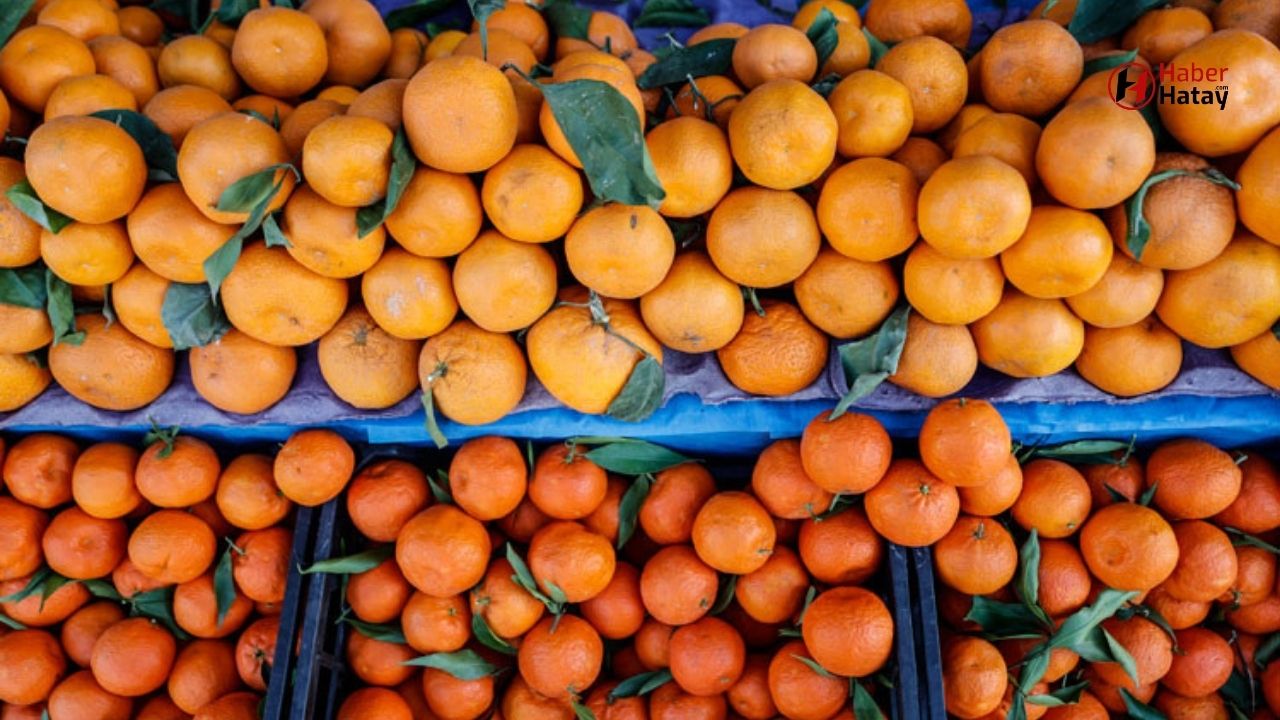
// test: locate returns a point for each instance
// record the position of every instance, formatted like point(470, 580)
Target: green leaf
point(31, 588)
point(822, 33)
point(525, 579)
point(10, 623)
point(101, 589)
point(224, 585)
point(809, 595)
point(813, 665)
point(463, 664)
point(1074, 632)
point(825, 85)
point(402, 166)
point(1241, 538)
point(11, 15)
point(252, 194)
point(1108, 62)
point(50, 586)
point(629, 507)
point(385, 633)
point(157, 605)
point(580, 711)
point(191, 316)
point(62, 310)
point(353, 564)
point(250, 191)
point(414, 14)
point(272, 233)
point(481, 10)
point(1121, 656)
point(864, 706)
point(635, 457)
point(188, 10)
point(1148, 495)
point(1097, 19)
point(1239, 693)
point(1139, 230)
point(24, 287)
point(165, 435)
point(869, 361)
point(432, 425)
point(440, 487)
point(487, 637)
point(878, 47)
point(231, 12)
point(728, 583)
point(714, 57)
point(1068, 695)
point(1275, 330)
point(24, 198)
point(566, 19)
point(672, 13)
point(1268, 650)
point(642, 395)
point(157, 146)
point(555, 593)
point(1028, 587)
point(1138, 710)
point(1088, 452)
point(640, 684)
point(604, 131)
point(1005, 620)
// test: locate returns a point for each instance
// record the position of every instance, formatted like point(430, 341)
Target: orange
point(1131, 360)
point(23, 380)
point(715, 99)
point(25, 329)
point(130, 581)
point(92, 371)
point(774, 592)
point(1007, 137)
point(974, 207)
point(1256, 509)
point(695, 308)
point(442, 45)
point(357, 41)
point(1055, 499)
point(842, 549)
point(460, 115)
point(384, 496)
point(410, 297)
point(504, 49)
point(140, 24)
point(951, 291)
point(762, 238)
point(1028, 337)
point(779, 482)
point(89, 255)
point(936, 360)
point(25, 525)
point(313, 466)
point(280, 52)
point(603, 520)
point(1177, 613)
point(531, 195)
point(138, 299)
point(895, 20)
point(968, 116)
point(867, 209)
point(873, 113)
point(1094, 154)
point(382, 102)
point(439, 624)
point(256, 649)
point(85, 19)
point(32, 664)
point(1149, 645)
point(225, 149)
point(568, 556)
point(171, 546)
point(964, 442)
point(1229, 300)
point(204, 671)
point(520, 702)
point(239, 374)
point(377, 662)
point(772, 52)
point(274, 109)
point(974, 677)
point(304, 118)
point(81, 547)
point(450, 698)
point(849, 631)
point(178, 475)
point(475, 376)
point(200, 61)
point(934, 75)
point(1260, 17)
point(38, 611)
point(177, 110)
point(525, 22)
point(442, 551)
point(1258, 358)
point(1215, 131)
point(1207, 566)
point(233, 706)
point(1160, 35)
point(508, 608)
point(1064, 579)
point(1258, 618)
point(347, 160)
point(378, 595)
point(620, 251)
point(693, 164)
point(133, 657)
point(809, 10)
point(1126, 294)
point(372, 703)
point(561, 663)
point(364, 365)
point(782, 134)
point(247, 495)
point(847, 455)
point(82, 629)
point(21, 235)
point(578, 362)
point(36, 59)
point(633, 708)
point(565, 484)
point(271, 297)
point(87, 94)
point(67, 152)
point(1062, 252)
point(195, 609)
point(910, 506)
point(1129, 547)
point(799, 691)
point(439, 214)
point(752, 362)
point(997, 494)
point(488, 477)
point(921, 156)
point(1030, 67)
point(1257, 189)
point(618, 611)
point(707, 656)
point(977, 557)
point(674, 498)
point(733, 533)
point(619, 78)
point(653, 643)
point(1193, 479)
point(38, 470)
point(1125, 478)
point(669, 702)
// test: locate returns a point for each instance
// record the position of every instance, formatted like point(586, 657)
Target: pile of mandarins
point(295, 176)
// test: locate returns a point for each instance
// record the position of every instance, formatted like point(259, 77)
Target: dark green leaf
point(672, 13)
point(10, 623)
point(50, 586)
point(402, 166)
point(604, 131)
point(1108, 62)
point(1138, 710)
point(487, 637)
point(353, 564)
point(555, 593)
point(62, 310)
point(1097, 19)
point(188, 10)
point(685, 232)
point(869, 361)
point(638, 685)
point(219, 265)
point(864, 706)
point(813, 665)
point(101, 589)
point(157, 146)
point(272, 233)
point(252, 194)
point(635, 457)
point(1092, 452)
point(728, 583)
point(224, 585)
point(415, 13)
point(1139, 230)
point(1239, 694)
point(463, 664)
point(231, 12)
point(713, 57)
point(165, 435)
point(1148, 495)
point(1004, 620)
point(1268, 650)
point(440, 487)
point(642, 395)
point(524, 578)
point(825, 85)
point(250, 191)
point(432, 425)
point(191, 316)
point(629, 507)
point(24, 287)
point(1068, 695)
point(809, 595)
point(1075, 630)
point(385, 633)
point(31, 588)
point(481, 10)
point(1037, 664)
point(258, 116)
point(822, 33)
point(878, 48)
point(580, 711)
point(10, 15)
point(24, 198)
point(1121, 656)
point(157, 605)
point(1240, 538)
point(566, 19)
point(1028, 587)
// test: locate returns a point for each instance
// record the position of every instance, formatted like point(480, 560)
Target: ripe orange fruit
point(977, 557)
point(256, 649)
point(775, 592)
point(1191, 219)
point(618, 77)
point(133, 657)
point(85, 254)
point(1062, 252)
point(240, 374)
point(171, 236)
point(936, 360)
point(460, 137)
point(383, 101)
point(910, 506)
point(410, 297)
point(733, 533)
point(384, 496)
point(694, 309)
point(437, 624)
point(357, 40)
point(921, 156)
point(896, 20)
point(82, 547)
point(974, 677)
point(347, 160)
point(561, 663)
point(130, 581)
point(82, 629)
point(313, 467)
point(324, 236)
point(1206, 566)
point(1193, 479)
point(280, 52)
point(1094, 154)
point(1256, 509)
point(1258, 358)
point(508, 608)
point(693, 164)
point(195, 609)
point(1030, 67)
point(964, 442)
point(751, 360)
point(247, 495)
point(1257, 190)
point(568, 556)
point(618, 611)
point(233, 706)
point(475, 376)
point(224, 149)
point(87, 94)
point(1129, 547)
point(997, 494)
point(847, 455)
point(1055, 499)
point(951, 291)
point(935, 76)
point(782, 134)
point(1064, 579)
point(652, 644)
point(91, 371)
point(867, 209)
point(974, 207)
point(171, 546)
point(200, 61)
point(38, 470)
point(32, 663)
point(849, 631)
point(1007, 137)
point(842, 549)
point(488, 477)
point(531, 195)
point(102, 481)
point(873, 114)
point(707, 656)
point(261, 566)
point(565, 484)
point(1126, 294)
point(762, 238)
point(1133, 360)
point(178, 475)
point(450, 698)
point(779, 482)
point(1177, 613)
point(38, 611)
point(800, 692)
point(36, 59)
point(603, 520)
point(1028, 337)
point(378, 595)
point(373, 703)
point(620, 251)
point(439, 214)
point(138, 299)
point(1161, 34)
point(178, 109)
point(1196, 305)
point(1150, 646)
point(204, 671)
point(364, 365)
point(442, 551)
point(772, 52)
point(715, 99)
point(62, 153)
point(525, 23)
point(676, 495)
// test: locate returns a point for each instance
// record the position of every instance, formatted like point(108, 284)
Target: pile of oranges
point(148, 584)
point(448, 212)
